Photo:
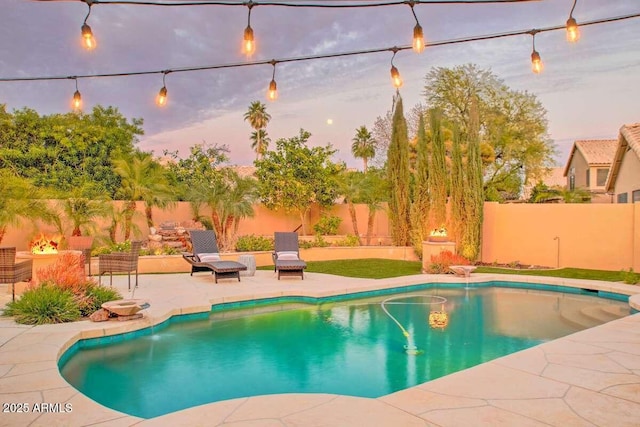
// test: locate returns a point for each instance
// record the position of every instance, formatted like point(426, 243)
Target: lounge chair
point(286, 256)
point(12, 271)
point(206, 256)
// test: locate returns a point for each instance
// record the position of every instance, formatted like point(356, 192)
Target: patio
point(588, 378)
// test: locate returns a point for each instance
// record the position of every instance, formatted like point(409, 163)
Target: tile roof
point(596, 152)
point(632, 134)
point(629, 137)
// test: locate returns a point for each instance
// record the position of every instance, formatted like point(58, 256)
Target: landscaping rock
point(101, 315)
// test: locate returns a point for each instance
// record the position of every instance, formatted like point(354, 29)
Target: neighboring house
point(624, 179)
point(588, 167)
point(553, 178)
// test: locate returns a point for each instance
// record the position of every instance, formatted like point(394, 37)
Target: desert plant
point(252, 242)
point(67, 273)
point(630, 277)
point(94, 297)
point(349, 240)
point(327, 225)
point(440, 263)
point(44, 304)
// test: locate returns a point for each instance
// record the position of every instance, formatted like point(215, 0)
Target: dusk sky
point(589, 89)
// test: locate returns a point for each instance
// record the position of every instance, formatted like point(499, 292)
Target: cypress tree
point(421, 203)
point(459, 191)
point(438, 173)
point(398, 175)
point(474, 203)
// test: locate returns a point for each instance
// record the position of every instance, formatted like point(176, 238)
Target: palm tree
point(258, 119)
point(82, 207)
point(142, 179)
point(364, 145)
point(350, 185)
point(20, 199)
point(374, 190)
point(260, 142)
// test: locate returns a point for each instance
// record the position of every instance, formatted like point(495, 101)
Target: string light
point(76, 102)
point(573, 32)
point(161, 99)
point(395, 49)
point(536, 62)
point(272, 93)
point(88, 41)
point(418, 36)
point(395, 74)
point(248, 43)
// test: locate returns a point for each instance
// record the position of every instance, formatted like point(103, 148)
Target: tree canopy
point(513, 125)
point(65, 151)
point(294, 176)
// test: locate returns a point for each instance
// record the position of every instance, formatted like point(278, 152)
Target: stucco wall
point(580, 164)
point(591, 236)
point(628, 178)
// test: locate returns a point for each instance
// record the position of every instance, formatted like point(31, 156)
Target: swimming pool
point(346, 347)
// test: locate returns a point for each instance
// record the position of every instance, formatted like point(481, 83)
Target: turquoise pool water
point(349, 347)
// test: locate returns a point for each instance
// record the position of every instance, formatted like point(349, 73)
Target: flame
point(45, 244)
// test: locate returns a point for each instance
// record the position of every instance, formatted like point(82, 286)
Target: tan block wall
point(594, 236)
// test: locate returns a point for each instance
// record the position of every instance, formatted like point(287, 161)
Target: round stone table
point(250, 262)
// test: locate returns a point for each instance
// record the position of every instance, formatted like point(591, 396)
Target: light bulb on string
point(88, 41)
point(536, 62)
point(573, 32)
point(248, 42)
point(418, 35)
point(272, 93)
point(161, 99)
point(396, 80)
point(76, 101)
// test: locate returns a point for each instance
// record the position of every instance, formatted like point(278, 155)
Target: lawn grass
point(568, 273)
point(367, 268)
point(373, 268)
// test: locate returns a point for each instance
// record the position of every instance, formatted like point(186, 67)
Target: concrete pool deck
point(590, 378)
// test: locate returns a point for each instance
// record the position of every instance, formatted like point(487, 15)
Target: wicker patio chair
point(120, 262)
point(12, 271)
point(286, 255)
point(82, 244)
point(206, 256)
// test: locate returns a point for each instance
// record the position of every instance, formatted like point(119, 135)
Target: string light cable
point(272, 62)
point(332, 4)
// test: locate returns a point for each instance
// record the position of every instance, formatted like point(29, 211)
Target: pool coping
point(29, 363)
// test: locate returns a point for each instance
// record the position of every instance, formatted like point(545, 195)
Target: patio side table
point(250, 261)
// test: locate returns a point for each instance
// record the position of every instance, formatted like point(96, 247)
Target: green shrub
point(95, 296)
point(349, 240)
point(629, 277)
point(327, 225)
point(114, 247)
point(251, 243)
point(45, 304)
point(164, 250)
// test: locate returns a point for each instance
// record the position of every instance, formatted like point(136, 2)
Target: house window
point(588, 183)
point(602, 177)
point(635, 196)
point(622, 198)
point(572, 179)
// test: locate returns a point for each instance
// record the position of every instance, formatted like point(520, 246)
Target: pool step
point(604, 313)
point(578, 319)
